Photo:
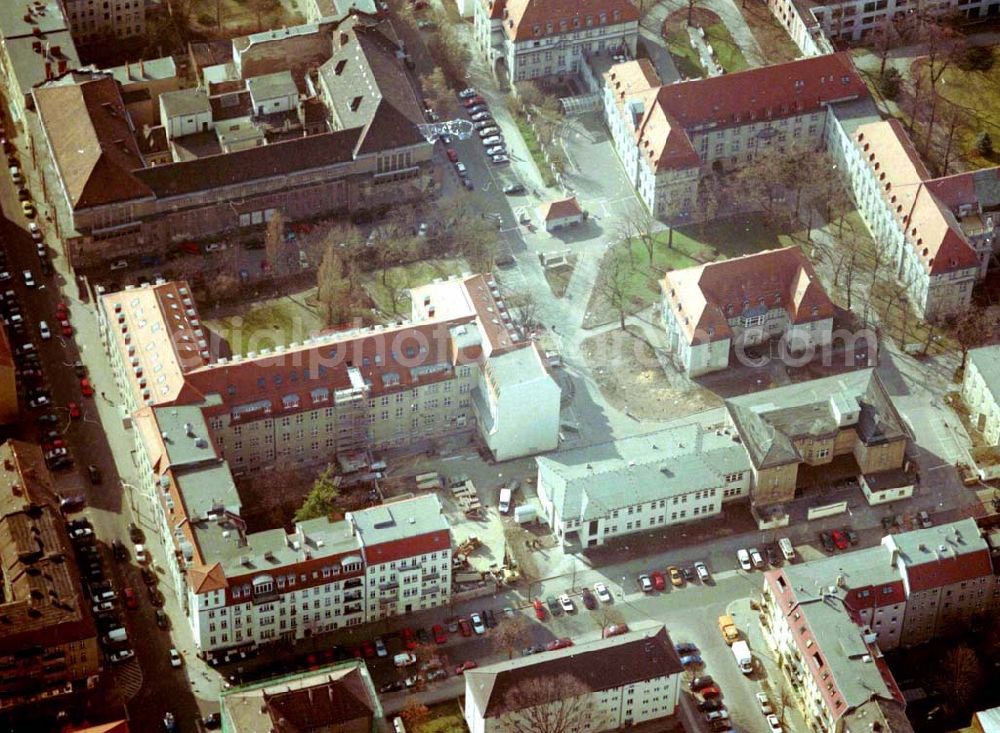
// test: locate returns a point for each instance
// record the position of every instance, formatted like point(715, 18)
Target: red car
point(539, 609)
point(130, 600)
point(439, 635)
point(710, 691)
point(473, 101)
point(85, 387)
point(452, 155)
point(62, 312)
point(74, 410)
point(67, 330)
point(659, 581)
point(468, 664)
point(408, 637)
point(367, 649)
point(839, 539)
point(559, 644)
point(465, 627)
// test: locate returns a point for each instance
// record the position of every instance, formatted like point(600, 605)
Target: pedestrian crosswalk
point(128, 678)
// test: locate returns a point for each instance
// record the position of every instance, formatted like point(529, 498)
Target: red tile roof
point(203, 579)
point(560, 209)
point(762, 94)
point(931, 229)
point(705, 297)
point(495, 8)
point(410, 547)
point(938, 572)
point(527, 19)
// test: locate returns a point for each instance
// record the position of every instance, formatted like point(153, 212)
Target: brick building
point(345, 135)
point(48, 640)
point(94, 21)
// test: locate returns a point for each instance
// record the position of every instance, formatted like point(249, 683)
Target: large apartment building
point(94, 21)
point(981, 391)
point(830, 620)
point(668, 135)
point(938, 233)
point(814, 25)
point(620, 681)
point(460, 366)
point(710, 309)
point(312, 120)
point(48, 639)
point(529, 39)
point(764, 446)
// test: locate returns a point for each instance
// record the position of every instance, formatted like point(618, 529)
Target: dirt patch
point(773, 40)
point(558, 277)
point(632, 379)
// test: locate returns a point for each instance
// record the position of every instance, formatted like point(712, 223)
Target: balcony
point(355, 608)
point(355, 596)
point(353, 583)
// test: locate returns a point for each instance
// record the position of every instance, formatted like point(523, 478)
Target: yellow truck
point(727, 627)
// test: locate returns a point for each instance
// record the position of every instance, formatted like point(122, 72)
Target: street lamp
point(623, 587)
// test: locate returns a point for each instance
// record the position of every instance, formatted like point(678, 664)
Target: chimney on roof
point(189, 429)
point(894, 557)
point(63, 64)
point(142, 69)
point(48, 69)
point(344, 38)
point(56, 50)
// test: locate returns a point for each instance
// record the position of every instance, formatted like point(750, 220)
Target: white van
point(504, 500)
point(116, 636)
point(787, 551)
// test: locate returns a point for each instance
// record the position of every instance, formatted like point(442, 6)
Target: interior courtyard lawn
point(391, 295)
point(727, 53)
point(445, 717)
point(268, 323)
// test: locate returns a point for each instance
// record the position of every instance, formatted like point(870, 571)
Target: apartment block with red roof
point(710, 309)
point(667, 135)
point(530, 39)
point(938, 233)
point(830, 620)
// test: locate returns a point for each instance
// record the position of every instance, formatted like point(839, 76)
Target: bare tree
point(334, 289)
point(960, 675)
point(274, 243)
point(524, 306)
point(259, 8)
point(972, 328)
point(440, 96)
point(414, 712)
point(954, 117)
point(450, 52)
point(510, 634)
point(561, 704)
point(613, 282)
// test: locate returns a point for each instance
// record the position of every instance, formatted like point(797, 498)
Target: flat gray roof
point(693, 453)
point(185, 435)
point(185, 102)
point(269, 86)
point(29, 64)
point(399, 520)
point(44, 15)
point(986, 359)
point(147, 70)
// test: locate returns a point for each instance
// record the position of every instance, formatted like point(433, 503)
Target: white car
point(645, 583)
point(467, 93)
point(603, 594)
point(29, 279)
point(756, 558)
point(489, 131)
point(121, 656)
point(462, 170)
point(80, 533)
point(744, 557)
point(36, 233)
point(764, 703)
point(119, 265)
point(499, 159)
point(703, 575)
point(495, 140)
point(484, 123)
point(140, 554)
point(422, 229)
point(477, 623)
point(480, 116)
point(380, 649)
point(497, 150)
point(215, 246)
point(774, 724)
point(43, 330)
point(105, 607)
point(567, 603)
point(175, 658)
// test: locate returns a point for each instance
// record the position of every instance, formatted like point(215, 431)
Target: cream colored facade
point(981, 391)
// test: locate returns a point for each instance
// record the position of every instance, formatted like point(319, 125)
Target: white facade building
point(93, 21)
point(539, 38)
point(981, 391)
point(632, 678)
point(673, 476)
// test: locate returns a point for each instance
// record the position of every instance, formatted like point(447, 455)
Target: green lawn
point(269, 323)
point(685, 58)
point(727, 53)
point(531, 140)
point(400, 279)
point(977, 94)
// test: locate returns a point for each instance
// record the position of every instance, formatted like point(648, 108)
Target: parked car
point(212, 721)
point(744, 559)
point(588, 599)
point(720, 714)
point(700, 683)
point(131, 600)
point(613, 630)
point(494, 140)
point(603, 594)
point(561, 643)
point(691, 660)
point(380, 649)
point(840, 540)
point(827, 540)
point(467, 93)
point(465, 627)
point(711, 691)
point(851, 535)
point(539, 609)
point(676, 579)
point(489, 131)
point(175, 658)
point(140, 554)
point(74, 503)
point(135, 534)
point(473, 101)
point(477, 623)
point(924, 519)
point(120, 656)
point(43, 330)
point(529, 650)
point(499, 159)
point(497, 150)
point(764, 703)
point(703, 575)
point(709, 704)
point(480, 116)
point(645, 583)
point(685, 647)
point(756, 558)
point(161, 618)
point(554, 608)
point(94, 473)
point(566, 603)
point(452, 155)
point(468, 664)
point(514, 189)
point(774, 724)
point(439, 636)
